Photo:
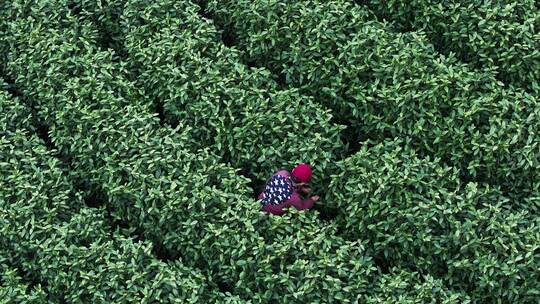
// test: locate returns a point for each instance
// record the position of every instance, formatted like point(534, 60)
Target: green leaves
point(418, 213)
point(239, 113)
point(48, 233)
point(387, 84)
point(409, 287)
point(496, 35)
point(14, 290)
point(120, 151)
point(445, 212)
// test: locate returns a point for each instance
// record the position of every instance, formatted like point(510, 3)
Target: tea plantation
point(135, 136)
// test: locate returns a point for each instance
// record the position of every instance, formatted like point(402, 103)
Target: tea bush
point(48, 233)
point(14, 290)
point(183, 200)
point(402, 286)
point(389, 84)
point(104, 14)
point(417, 214)
point(133, 190)
point(499, 35)
point(116, 148)
point(179, 62)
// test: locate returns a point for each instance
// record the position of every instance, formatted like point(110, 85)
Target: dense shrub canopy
point(389, 84)
point(499, 35)
point(65, 247)
point(416, 212)
point(239, 113)
point(133, 136)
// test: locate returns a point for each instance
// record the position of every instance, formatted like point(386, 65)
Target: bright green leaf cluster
point(389, 84)
point(151, 177)
point(418, 214)
point(179, 63)
point(503, 35)
point(14, 290)
point(48, 233)
point(151, 122)
point(406, 287)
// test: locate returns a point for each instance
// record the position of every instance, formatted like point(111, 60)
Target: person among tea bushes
point(283, 190)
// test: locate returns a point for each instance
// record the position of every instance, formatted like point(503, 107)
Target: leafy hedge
point(500, 35)
point(409, 228)
point(406, 287)
point(392, 85)
point(48, 233)
point(417, 214)
point(180, 63)
point(105, 15)
point(146, 175)
point(14, 290)
point(241, 125)
point(182, 200)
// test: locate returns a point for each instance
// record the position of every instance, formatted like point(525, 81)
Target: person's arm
point(301, 204)
point(305, 189)
point(308, 203)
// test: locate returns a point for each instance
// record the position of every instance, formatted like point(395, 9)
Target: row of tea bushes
point(401, 286)
point(15, 119)
point(179, 61)
point(499, 35)
point(417, 214)
point(391, 84)
point(184, 201)
point(239, 113)
point(50, 236)
point(14, 290)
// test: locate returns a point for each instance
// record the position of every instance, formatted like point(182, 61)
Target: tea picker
point(284, 189)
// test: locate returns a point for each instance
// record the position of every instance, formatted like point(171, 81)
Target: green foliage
point(104, 14)
point(130, 189)
point(14, 114)
point(416, 213)
point(408, 287)
point(115, 271)
point(14, 291)
point(501, 35)
point(47, 232)
point(184, 200)
point(238, 112)
point(393, 85)
point(35, 200)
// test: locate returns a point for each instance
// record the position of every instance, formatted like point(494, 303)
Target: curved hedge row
point(183, 200)
point(254, 256)
point(500, 35)
point(148, 178)
point(13, 289)
point(157, 180)
point(179, 62)
point(418, 215)
point(47, 233)
point(239, 113)
point(393, 85)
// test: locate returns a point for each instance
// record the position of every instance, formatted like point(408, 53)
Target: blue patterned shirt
point(277, 190)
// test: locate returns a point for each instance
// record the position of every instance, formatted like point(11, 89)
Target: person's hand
point(306, 189)
point(315, 198)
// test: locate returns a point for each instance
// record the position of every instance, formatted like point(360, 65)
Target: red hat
point(302, 172)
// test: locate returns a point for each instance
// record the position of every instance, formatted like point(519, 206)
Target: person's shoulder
point(283, 173)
